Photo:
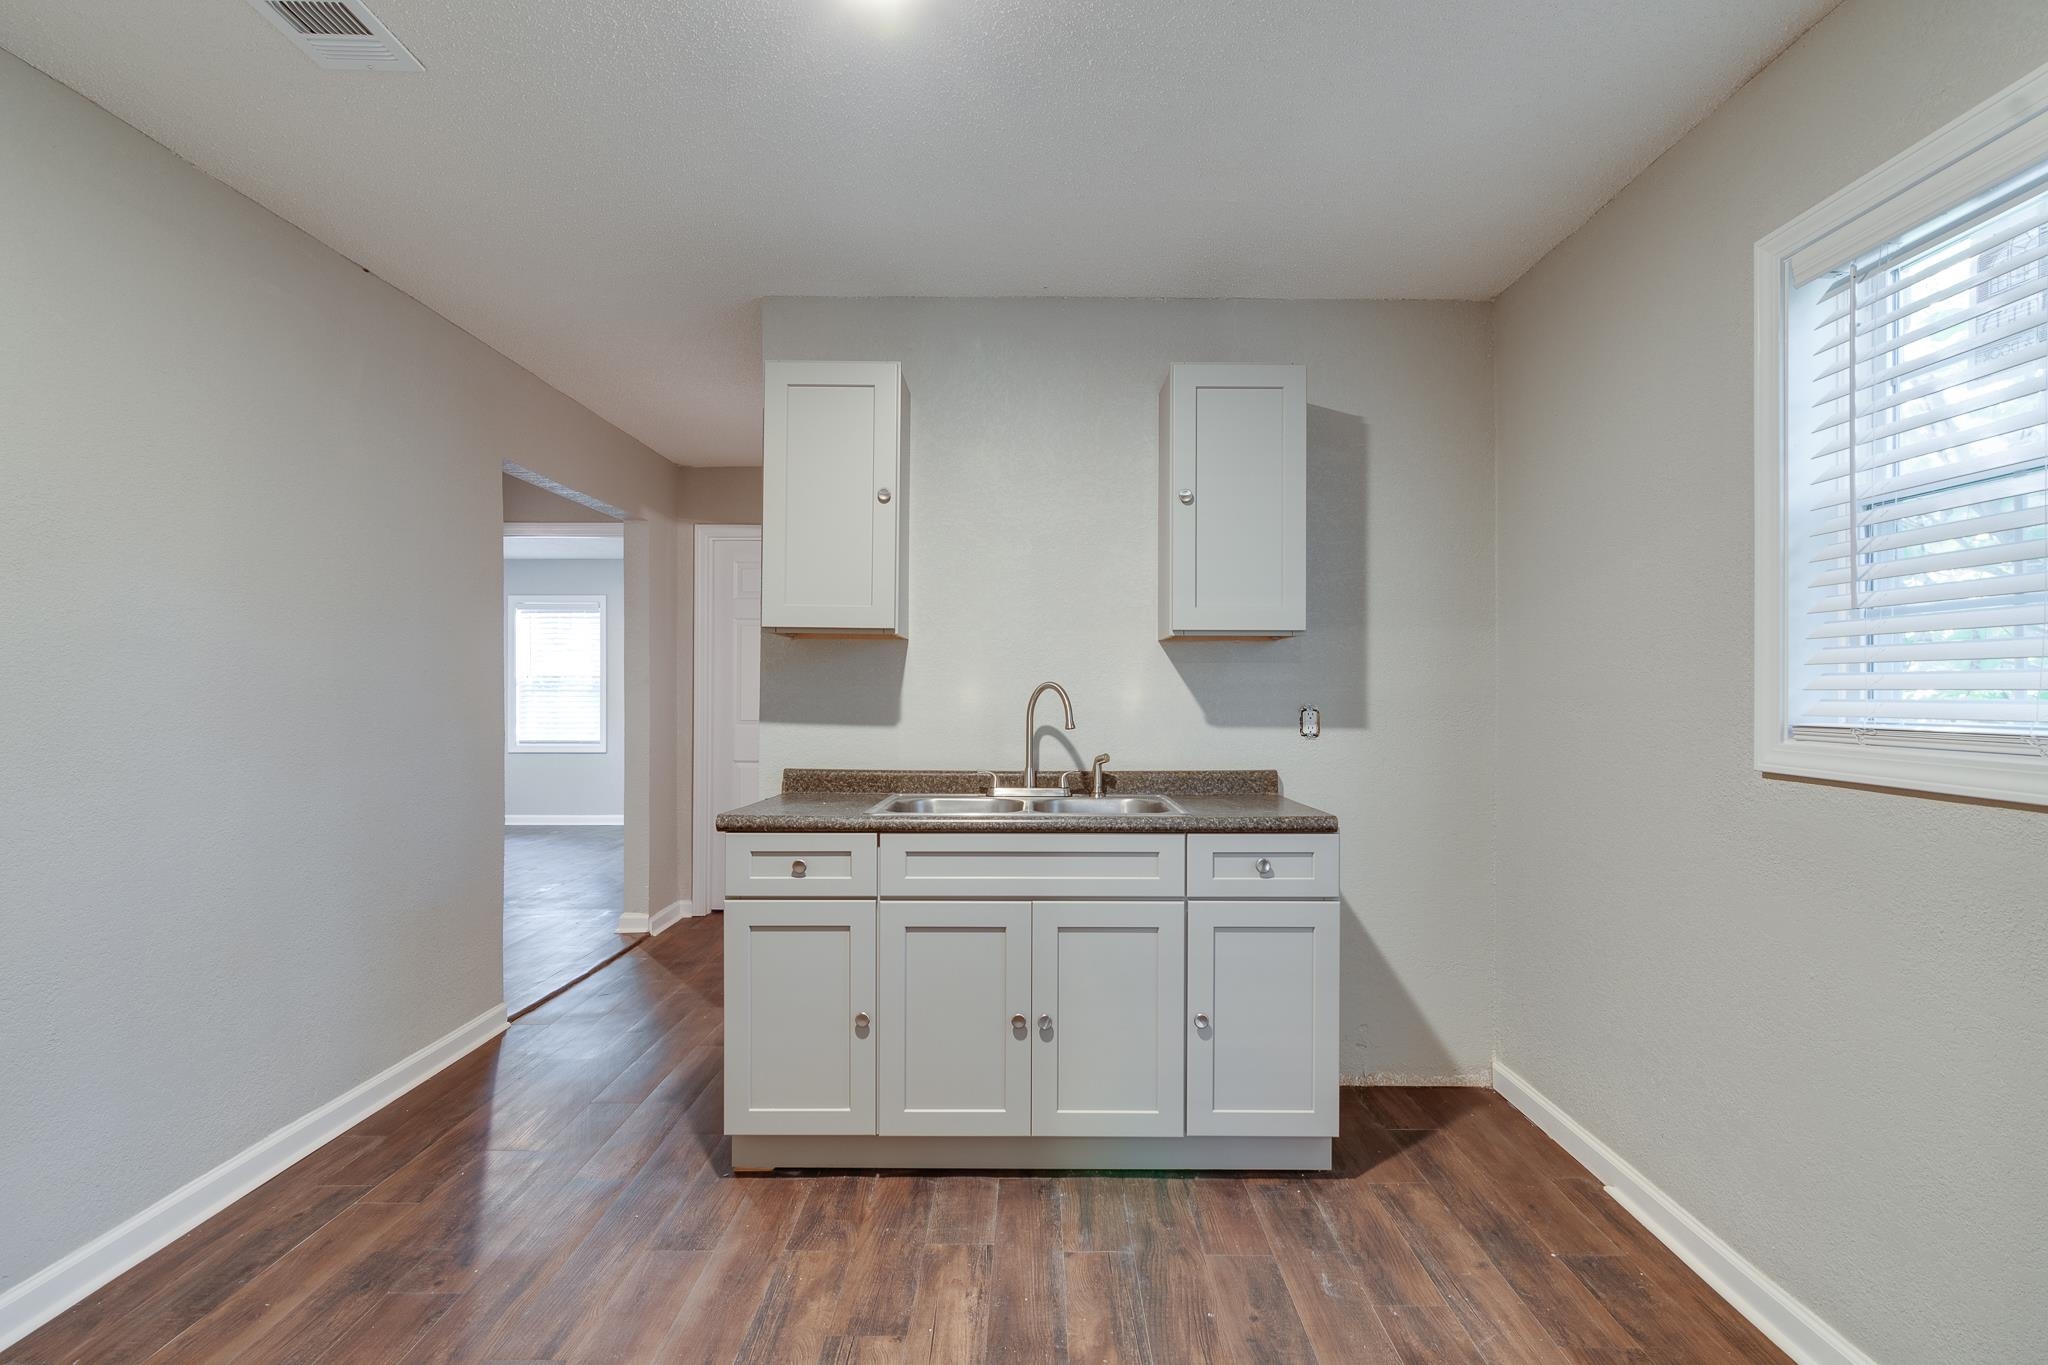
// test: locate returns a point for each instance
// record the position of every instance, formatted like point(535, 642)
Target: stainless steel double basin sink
point(966, 807)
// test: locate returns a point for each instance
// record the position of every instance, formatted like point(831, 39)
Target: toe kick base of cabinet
point(761, 1153)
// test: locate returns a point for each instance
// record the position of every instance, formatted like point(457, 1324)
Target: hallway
point(564, 890)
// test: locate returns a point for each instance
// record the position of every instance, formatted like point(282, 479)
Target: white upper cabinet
point(832, 498)
point(1233, 507)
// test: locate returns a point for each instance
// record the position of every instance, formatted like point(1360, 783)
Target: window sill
point(1994, 779)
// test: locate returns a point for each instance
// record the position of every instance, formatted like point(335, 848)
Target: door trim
point(704, 878)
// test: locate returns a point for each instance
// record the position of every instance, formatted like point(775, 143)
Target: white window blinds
point(1919, 571)
point(558, 673)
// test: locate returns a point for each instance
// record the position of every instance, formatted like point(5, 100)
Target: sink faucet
point(1031, 787)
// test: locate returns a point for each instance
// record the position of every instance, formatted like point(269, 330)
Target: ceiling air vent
point(339, 34)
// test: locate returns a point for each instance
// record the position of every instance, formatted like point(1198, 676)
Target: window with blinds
point(556, 682)
point(1916, 487)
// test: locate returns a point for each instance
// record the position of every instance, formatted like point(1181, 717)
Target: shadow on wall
point(1369, 976)
point(867, 681)
point(1234, 681)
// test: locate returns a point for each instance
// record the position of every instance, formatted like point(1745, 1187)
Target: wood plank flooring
point(564, 888)
point(564, 1195)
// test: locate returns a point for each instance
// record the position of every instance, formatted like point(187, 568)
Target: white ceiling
point(604, 189)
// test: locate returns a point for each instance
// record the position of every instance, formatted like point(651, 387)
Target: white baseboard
point(640, 922)
point(565, 819)
point(57, 1286)
point(1798, 1331)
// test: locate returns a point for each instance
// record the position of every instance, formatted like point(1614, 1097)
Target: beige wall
point(1813, 1015)
point(528, 503)
point(251, 787)
point(1033, 474)
point(713, 496)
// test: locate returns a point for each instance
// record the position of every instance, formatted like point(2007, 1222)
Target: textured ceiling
point(603, 189)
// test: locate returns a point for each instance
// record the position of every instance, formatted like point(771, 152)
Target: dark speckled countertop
point(836, 800)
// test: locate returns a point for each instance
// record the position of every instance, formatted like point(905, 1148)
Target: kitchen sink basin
point(1104, 805)
point(966, 806)
point(949, 805)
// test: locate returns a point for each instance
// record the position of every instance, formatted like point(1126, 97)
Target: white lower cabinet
point(1106, 989)
point(938, 1031)
point(1262, 1009)
point(800, 1016)
point(954, 980)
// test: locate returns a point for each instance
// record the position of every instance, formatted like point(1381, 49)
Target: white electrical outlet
point(1311, 723)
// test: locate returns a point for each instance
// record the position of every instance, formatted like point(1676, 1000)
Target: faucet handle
point(984, 772)
point(1095, 774)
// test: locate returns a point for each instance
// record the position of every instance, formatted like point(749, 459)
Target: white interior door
point(1107, 981)
point(954, 982)
point(729, 595)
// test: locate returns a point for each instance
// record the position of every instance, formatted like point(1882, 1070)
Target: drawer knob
point(1017, 1023)
point(1264, 867)
point(1187, 497)
point(860, 1022)
point(797, 868)
point(882, 495)
point(1201, 1023)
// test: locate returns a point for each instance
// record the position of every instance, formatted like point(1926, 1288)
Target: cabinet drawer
point(799, 865)
point(1026, 866)
point(1294, 866)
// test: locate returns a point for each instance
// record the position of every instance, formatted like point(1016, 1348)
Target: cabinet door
point(1106, 986)
point(1262, 1018)
point(832, 497)
point(1234, 501)
point(955, 983)
point(800, 1020)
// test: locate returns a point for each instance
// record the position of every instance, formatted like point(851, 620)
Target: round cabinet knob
point(799, 869)
point(1201, 1021)
point(1017, 1022)
point(1264, 866)
point(1045, 1023)
point(882, 496)
point(860, 1021)
point(1187, 497)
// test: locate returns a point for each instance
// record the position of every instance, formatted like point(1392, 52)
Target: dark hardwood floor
point(564, 1195)
point(564, 888)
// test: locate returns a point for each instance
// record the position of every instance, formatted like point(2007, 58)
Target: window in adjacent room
point(1903, 470)
point(555, 680)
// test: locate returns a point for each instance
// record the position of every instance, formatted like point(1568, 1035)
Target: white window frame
point(1993, 142)
point(513, 601)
